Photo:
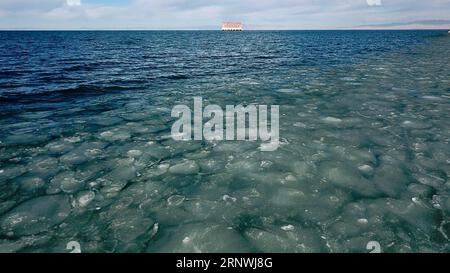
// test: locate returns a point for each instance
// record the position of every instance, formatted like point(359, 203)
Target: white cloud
point(73, 3)
point(374, 2)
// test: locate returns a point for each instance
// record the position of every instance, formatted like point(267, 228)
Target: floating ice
point(267, 241)
point(286, 241)
point(115, 135)
point(363, 221)
point(26, 139)
point(36, 215)
point(11, 173)
point(7, 205)
point(349, 179)
point(366, 170)
point(211, 165)
point(286, 197)
point(332, 120)
point(228, 198)
point(128, 226)
point(134, 153)
point(31, 185)
point(185, 168)
point(112, 187)
point(85, 198)
point(287, 91)
point(74, 139)
point(67, 182)
point(361, 163)
point(300, 125)
point(45, 166)
point(430, 180)
point(175, 200)
point(200, 238)
point(59, 147)
point(415, 124)
point(420, 190)
point(417, 215)
point(288, 228)
point(431, 98)
point(390, 180)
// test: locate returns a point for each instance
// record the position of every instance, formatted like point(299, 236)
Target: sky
point(209, 14)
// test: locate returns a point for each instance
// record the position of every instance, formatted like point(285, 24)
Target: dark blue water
point(40, 62)
point(86, 153)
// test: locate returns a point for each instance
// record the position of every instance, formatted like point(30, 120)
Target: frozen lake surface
point(86, 153)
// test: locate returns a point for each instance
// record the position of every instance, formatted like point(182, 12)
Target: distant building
point(232, 26)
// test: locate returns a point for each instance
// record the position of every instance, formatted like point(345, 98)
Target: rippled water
point(86, 153)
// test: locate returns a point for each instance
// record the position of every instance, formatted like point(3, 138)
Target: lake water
point(86, 152)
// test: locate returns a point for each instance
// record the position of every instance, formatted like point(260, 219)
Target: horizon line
point(219, 30)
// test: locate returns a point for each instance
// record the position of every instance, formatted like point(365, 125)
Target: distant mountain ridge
point(424, 24)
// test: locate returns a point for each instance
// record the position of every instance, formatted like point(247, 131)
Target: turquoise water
point(86, 153)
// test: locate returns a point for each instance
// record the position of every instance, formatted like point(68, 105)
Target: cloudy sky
point(208, 14)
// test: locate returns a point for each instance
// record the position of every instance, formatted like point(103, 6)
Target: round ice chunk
point(134, 153)
point(331, 120)
point(175, 200)
point(349, 179)
point(287, 90)
point(188, 167)
point(85, 198)
point(31, 184)
point(283, 241)
point(36, 215)
point(67, 181)
point(200, 238)
point(420, 190)
point(390, 180)
point(59, 147)
point(288, 228)
point(366, 170)
point(130, 225)
point(115, 135)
